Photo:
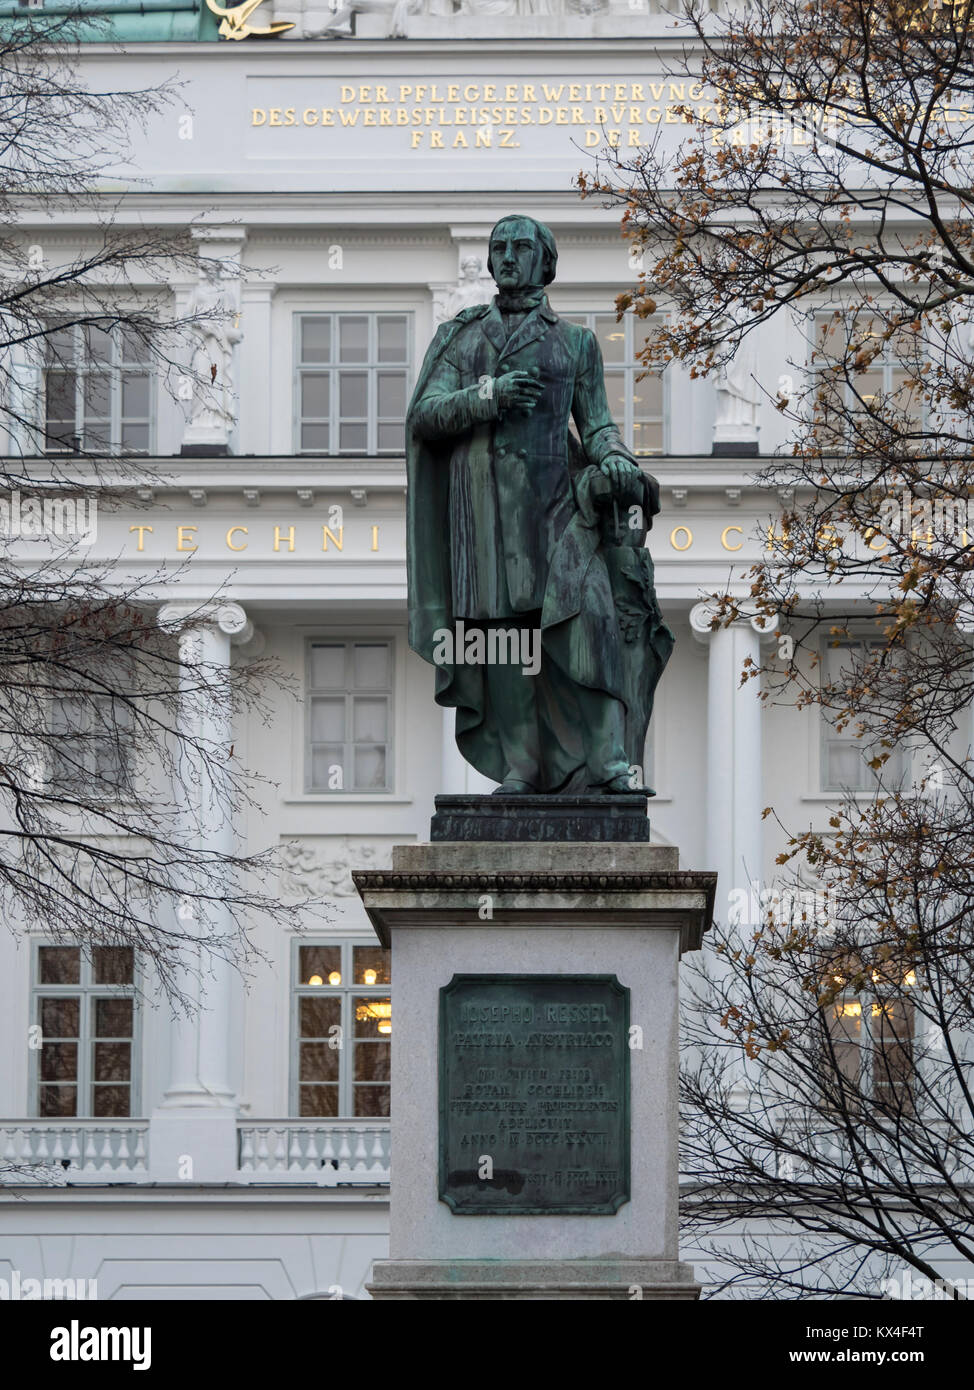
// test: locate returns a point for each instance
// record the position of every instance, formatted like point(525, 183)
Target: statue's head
point(522, 254)
point(470, 268)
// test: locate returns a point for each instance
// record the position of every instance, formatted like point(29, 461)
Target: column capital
point(703, 614)
point(228, 618)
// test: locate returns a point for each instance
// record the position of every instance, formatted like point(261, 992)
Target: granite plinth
point(645, 1280)
point(588, 819)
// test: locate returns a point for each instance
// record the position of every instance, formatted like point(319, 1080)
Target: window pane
point(315, 395)
point(391, 438)
point(318, 1015)
point(353, 438)
point(316, 339)
point(328, 769)
point(113, 1061)
point(97, 343)
point(135, 438)
point(59, 1061)
point(370, 1012)
point(113, 965)
point(97, 396)
point(316, 438)
point(315, 964)
point(111, 1100)
point(647, 439)
point(327, 720)
point(371, 665)
point(615, 389)
point(59, 346)
point(647, 397)
point(392, 393)
point(374, 959)
point(372, 1061)
point(611, 336)
point(113, 1018)
point(353, 389)
point(371, 1101)
point(318, 1102)
point(353, 338)
point(370, 769)
point(60, 396)
point(845, 766)
point(59, 965)
point(319, 1062)
point(134, 347)
point(57, 1102)
point(135, 395)
point(60, 1018)
point(327, 667)
point(370, 719)
point(392, 337)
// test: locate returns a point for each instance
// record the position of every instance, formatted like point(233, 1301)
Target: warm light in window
point(378, 1009)
point(839, 979)
point(316, 980)
point(851, 1010)
point(875, 977)
point(384, 1025)
point(910, 978)
point(877, 1010)
point(369, 977)
point(335, 977)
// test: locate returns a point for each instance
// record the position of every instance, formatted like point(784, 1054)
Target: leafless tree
point(825, 175)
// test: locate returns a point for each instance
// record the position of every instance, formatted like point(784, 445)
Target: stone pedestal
point(497, 1058)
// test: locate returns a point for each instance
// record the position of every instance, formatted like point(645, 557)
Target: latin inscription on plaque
point(534, 1095)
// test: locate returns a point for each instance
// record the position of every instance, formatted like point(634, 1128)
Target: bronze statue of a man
point(548, 644)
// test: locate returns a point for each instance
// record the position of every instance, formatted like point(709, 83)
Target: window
point(97, 390)
point(92, 748)
point(846, 757)
point(637, 406)
point(884, 379)
point(342, 1021)
point(351, 383)
point(872, 1044)
point(85, 1010)
point(350, 716)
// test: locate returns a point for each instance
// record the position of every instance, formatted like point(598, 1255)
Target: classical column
point(735, 797)
point(196, 1120)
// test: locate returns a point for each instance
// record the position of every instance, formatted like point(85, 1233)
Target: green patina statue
point(530, 587)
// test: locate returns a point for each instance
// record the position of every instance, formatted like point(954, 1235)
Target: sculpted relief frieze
point(321, 866)
point(397, 19)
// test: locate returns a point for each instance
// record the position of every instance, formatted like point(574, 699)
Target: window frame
point(346, 1053)
point(82, 367)
point(371, 367)
point(885, 364)
point(125, 789)
point(827, 730)
point(630, 370)
point(87, 990)
point(870, 1045)
point(348, 642)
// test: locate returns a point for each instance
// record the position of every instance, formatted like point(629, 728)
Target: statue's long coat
point(494, 527)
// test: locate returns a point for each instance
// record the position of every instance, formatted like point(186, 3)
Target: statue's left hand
point(620, 471)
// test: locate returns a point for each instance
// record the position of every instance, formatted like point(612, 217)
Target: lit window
point(86, 1013)
point(349, 716)
point(342, 1025)
point(97, 390)
point(871, 1042)
point(352, 372)
point(637, 407)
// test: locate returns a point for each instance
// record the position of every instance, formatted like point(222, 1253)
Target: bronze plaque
point(534, 1095)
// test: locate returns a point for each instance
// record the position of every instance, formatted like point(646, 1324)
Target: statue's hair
point(549, 249)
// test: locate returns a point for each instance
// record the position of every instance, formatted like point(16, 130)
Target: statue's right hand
point(517, 390)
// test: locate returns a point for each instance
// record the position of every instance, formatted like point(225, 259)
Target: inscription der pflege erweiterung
point(534, 1079)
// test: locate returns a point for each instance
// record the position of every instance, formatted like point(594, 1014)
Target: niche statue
point(530, 587)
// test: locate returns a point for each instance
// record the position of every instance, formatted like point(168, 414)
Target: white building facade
point(353, 167)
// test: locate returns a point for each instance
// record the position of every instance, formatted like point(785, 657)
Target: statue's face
point(516, 255)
